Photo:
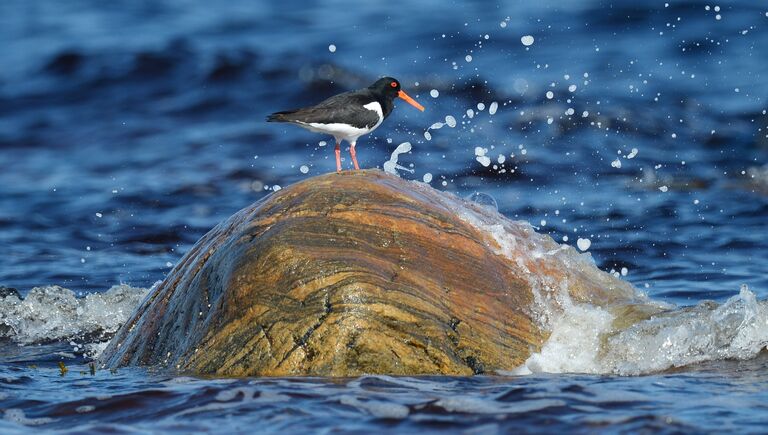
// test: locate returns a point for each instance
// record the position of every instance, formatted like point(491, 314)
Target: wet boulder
point(353, 273)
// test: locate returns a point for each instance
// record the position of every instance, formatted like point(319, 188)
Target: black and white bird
point(349, 115)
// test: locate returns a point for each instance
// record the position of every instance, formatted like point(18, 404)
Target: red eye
point(393, 84)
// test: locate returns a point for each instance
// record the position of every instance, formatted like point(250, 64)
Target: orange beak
point(410, 100)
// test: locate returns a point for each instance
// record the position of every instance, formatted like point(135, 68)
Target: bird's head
point(390, 88)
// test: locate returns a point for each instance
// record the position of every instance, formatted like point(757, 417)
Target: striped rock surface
point(346, 274)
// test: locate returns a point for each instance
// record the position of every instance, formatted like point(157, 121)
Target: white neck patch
point(376, 107)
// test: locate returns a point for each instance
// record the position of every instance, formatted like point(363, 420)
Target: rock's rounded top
point(352, 273)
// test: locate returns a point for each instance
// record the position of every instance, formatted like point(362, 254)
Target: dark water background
point(130, 128)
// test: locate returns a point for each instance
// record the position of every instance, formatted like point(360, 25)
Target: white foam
point(574, 342)
point(16, 415)
point(591, 333)
point(53, 313)
point(377, 408)
point(85, 409)
point(737, 329)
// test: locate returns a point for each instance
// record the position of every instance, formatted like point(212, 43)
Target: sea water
point(634, 135)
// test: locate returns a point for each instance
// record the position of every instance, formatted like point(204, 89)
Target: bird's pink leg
point(354, 155)
point(338, 157)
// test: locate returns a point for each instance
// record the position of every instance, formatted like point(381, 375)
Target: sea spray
point(391, 165)
point(53, 313)
point(616, 330)
point(737, 329)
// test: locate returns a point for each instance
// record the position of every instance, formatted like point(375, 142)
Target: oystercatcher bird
point(349, 115)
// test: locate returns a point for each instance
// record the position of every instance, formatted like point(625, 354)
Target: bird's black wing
point(346, 108)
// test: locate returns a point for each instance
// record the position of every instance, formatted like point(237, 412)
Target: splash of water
point(614, 329)
point(391, 165)
point(54, 313)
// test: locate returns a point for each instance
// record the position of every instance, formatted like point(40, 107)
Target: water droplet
point(583, 244)
point(483, 160)
point(527, 40)
point(484, 200)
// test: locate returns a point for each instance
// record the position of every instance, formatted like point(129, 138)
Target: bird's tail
point(280, 116)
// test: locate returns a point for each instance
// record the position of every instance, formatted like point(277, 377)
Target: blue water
point(128, 402)
point(130, 128)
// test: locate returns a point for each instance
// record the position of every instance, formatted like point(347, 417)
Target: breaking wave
point(52, 313)
point(599, 324)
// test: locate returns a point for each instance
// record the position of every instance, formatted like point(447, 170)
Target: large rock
point(361, 272)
